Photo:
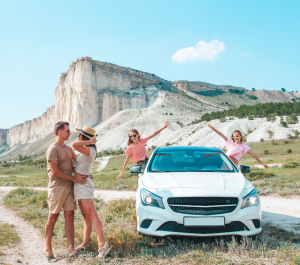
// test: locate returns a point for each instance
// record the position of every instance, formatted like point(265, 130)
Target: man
point(60, 188)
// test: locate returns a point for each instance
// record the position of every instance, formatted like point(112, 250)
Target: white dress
point(84, 164)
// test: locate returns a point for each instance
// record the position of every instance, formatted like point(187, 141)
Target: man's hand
point(93, 140)
point(80, 178)
point(166, 124)
point(265, 166)
point(92, 177)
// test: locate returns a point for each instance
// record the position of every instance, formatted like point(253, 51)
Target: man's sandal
point(51, 258)
point(104, 250)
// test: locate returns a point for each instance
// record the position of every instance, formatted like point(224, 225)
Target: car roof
point(187, 148)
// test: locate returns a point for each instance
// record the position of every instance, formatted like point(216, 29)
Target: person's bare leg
point(52, 218)
point(87, 229)
point(90, 209)
point(69, 230)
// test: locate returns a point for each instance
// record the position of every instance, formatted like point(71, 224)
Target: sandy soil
point(282, 212)
point(103, 162)
point(30, 249)
point(3, 176)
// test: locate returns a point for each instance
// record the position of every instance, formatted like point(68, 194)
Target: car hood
point(195, 180)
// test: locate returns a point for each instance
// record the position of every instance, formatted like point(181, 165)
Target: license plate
point(204, 221)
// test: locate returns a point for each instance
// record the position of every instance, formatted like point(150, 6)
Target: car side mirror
point(245, 169)
point(136, 169)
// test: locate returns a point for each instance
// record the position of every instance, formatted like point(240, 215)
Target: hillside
point(114, 99)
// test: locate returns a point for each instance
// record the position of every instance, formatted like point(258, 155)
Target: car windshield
point(191, 161)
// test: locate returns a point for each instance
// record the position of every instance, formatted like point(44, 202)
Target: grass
point(272, 246)
point(35, 176)
point(8, 236)
point(283, 181)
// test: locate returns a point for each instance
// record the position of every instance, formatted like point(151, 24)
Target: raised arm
point(74, 157)
point(166, 124)
point(219, 133)
point(58, 173)
point(258, 160)
point(79, 145)
point(124, 166)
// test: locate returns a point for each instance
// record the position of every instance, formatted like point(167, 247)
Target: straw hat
point(87, 131)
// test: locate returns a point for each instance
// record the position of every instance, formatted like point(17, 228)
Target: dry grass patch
point(8, 236)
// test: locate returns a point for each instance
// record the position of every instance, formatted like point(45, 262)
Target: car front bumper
point(165, 222)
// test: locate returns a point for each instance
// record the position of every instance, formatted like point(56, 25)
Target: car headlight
point(251, 199)
point(150, 199)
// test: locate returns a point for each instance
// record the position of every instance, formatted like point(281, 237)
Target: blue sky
point(240, 43)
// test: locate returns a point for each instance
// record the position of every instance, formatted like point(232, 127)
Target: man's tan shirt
point(63, 156)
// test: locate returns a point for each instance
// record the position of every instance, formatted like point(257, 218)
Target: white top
point(84, 163)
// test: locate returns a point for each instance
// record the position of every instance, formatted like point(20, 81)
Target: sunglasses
point(68, 131)
point(130, 136)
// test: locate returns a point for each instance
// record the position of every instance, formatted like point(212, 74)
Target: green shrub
point(236, 91)
point(223, 119)
point(283, 123)
point(253, 97)
point(285, 142)
point(259, 174)
point(262, 140)
point(296, 133)
point(292, 119)
point(271, 117)
point(291, 164)
point(289, 151)
point(266, 152)
point(250, 117)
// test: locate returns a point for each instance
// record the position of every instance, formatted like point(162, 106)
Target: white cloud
point(202, 51)
point(245, 54)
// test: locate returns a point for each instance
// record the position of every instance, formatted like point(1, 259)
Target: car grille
point(180, 228)
point(203, 205)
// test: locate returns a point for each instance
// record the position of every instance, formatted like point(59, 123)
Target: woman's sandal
point(81, 248)
point(104, 250)
point(51, 258)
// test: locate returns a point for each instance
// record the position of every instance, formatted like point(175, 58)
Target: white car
point(195, 191)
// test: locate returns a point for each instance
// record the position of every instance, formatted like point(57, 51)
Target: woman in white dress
point(83, 193)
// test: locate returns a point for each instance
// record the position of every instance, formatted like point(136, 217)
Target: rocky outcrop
point(265, 96)
point(198, 86)
point(89, 93)
point(4, 139)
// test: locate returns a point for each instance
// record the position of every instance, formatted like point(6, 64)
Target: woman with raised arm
point(235, 147)
point(136, 148)
point(84, 193)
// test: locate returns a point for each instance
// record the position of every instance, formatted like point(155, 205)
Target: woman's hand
point(166, 124)
point(120, 175)
point(93, 140)
point(265, 166)
point(210, 126)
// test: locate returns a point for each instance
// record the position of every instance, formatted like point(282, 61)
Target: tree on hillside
point(253, 89)
point(292, 119)
point(283, 89)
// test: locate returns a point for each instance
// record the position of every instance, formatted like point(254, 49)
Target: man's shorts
point(61, 197)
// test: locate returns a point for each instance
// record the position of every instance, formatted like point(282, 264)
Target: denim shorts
point(143, 163)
